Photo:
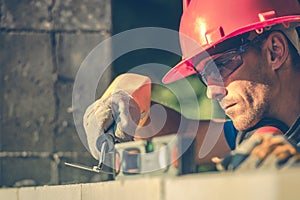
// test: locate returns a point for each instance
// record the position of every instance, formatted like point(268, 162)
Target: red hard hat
point(210, 22)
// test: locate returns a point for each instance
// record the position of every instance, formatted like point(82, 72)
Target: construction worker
point(254, 45)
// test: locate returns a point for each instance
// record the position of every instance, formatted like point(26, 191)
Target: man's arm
point(210, 132)
point(110, 113)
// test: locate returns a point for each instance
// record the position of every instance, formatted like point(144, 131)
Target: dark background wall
point(130, 14)
point(42, 44)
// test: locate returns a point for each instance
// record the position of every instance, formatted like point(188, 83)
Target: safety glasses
point(220, 66)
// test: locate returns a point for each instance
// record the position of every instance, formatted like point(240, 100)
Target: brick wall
point(42, 44)
point(272, 185)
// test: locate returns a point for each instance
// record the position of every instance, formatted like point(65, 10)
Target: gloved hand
point(261, 152)
point(118, 112)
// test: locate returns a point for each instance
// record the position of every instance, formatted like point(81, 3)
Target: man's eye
point(222, 63)
point(225, 59)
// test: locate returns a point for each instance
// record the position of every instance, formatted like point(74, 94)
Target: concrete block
point(1, 11)
point(29, 103)
point(25, 171)
point(261, 185)
point(146, 189)
point(26, 134)
point(1, 100)
point(29, 14)
point(71, 175)
point(62, 192)
point(72, 49)
point(66, 137)
point(1, 179)
point(1, 110)
point(82, 14)
point(288, 182)
point(9, 194)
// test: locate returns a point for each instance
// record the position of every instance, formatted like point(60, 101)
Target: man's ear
point(277, 46)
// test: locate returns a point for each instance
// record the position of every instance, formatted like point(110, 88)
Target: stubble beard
point(249, 117)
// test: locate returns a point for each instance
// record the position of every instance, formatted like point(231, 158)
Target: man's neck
point(289, 103)
point(286, 101)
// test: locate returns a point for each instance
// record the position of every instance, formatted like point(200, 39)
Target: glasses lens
point(219, 66)
point(228, 63)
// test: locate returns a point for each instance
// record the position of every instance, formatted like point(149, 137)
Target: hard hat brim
point(185, 67)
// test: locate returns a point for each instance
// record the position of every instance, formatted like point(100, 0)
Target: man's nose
point(216, 92)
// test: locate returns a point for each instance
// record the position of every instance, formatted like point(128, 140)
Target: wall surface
point(42, 44)
point(272, 185)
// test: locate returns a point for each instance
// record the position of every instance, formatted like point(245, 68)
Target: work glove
point(117, 114)
point(261, 152)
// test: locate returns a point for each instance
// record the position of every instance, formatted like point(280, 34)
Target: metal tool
point(87, 168)
point(164, 156)
point(98, 168)
point(106, 145)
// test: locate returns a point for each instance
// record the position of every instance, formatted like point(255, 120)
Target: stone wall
point(272, 185)
point(42, 44)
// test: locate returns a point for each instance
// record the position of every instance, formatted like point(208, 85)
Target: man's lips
point(227, 106)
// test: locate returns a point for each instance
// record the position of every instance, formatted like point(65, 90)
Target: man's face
point(247, 90)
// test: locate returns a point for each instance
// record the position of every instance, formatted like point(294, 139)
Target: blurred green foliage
point(204, 108)
point(129, 14)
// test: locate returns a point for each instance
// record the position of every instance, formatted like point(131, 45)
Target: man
point(249, 60)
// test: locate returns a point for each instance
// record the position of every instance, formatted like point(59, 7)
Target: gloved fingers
point(118, 113)
point(269, 163)
point(239, 155)
point(276, 146)
point(97, 119)
point(256, 163)
point(121, 135)
point(267, 146)
point(285, 154)
point(294, 161)
point(283, 151)
point(90, 112)
point(248, 145)
point(272, 153)
point(237, 160)
point(261, 152)
point(99, 114)
point(104, 116)
point(224, 163)
point(216, 160)
point(126, 114)
point(250, 163)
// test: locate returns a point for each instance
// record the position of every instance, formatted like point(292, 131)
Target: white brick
point(289, 185)
point(61, 192)
point(223, 186)
point(131, 189)
point(267, 185)
point(9, 194)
